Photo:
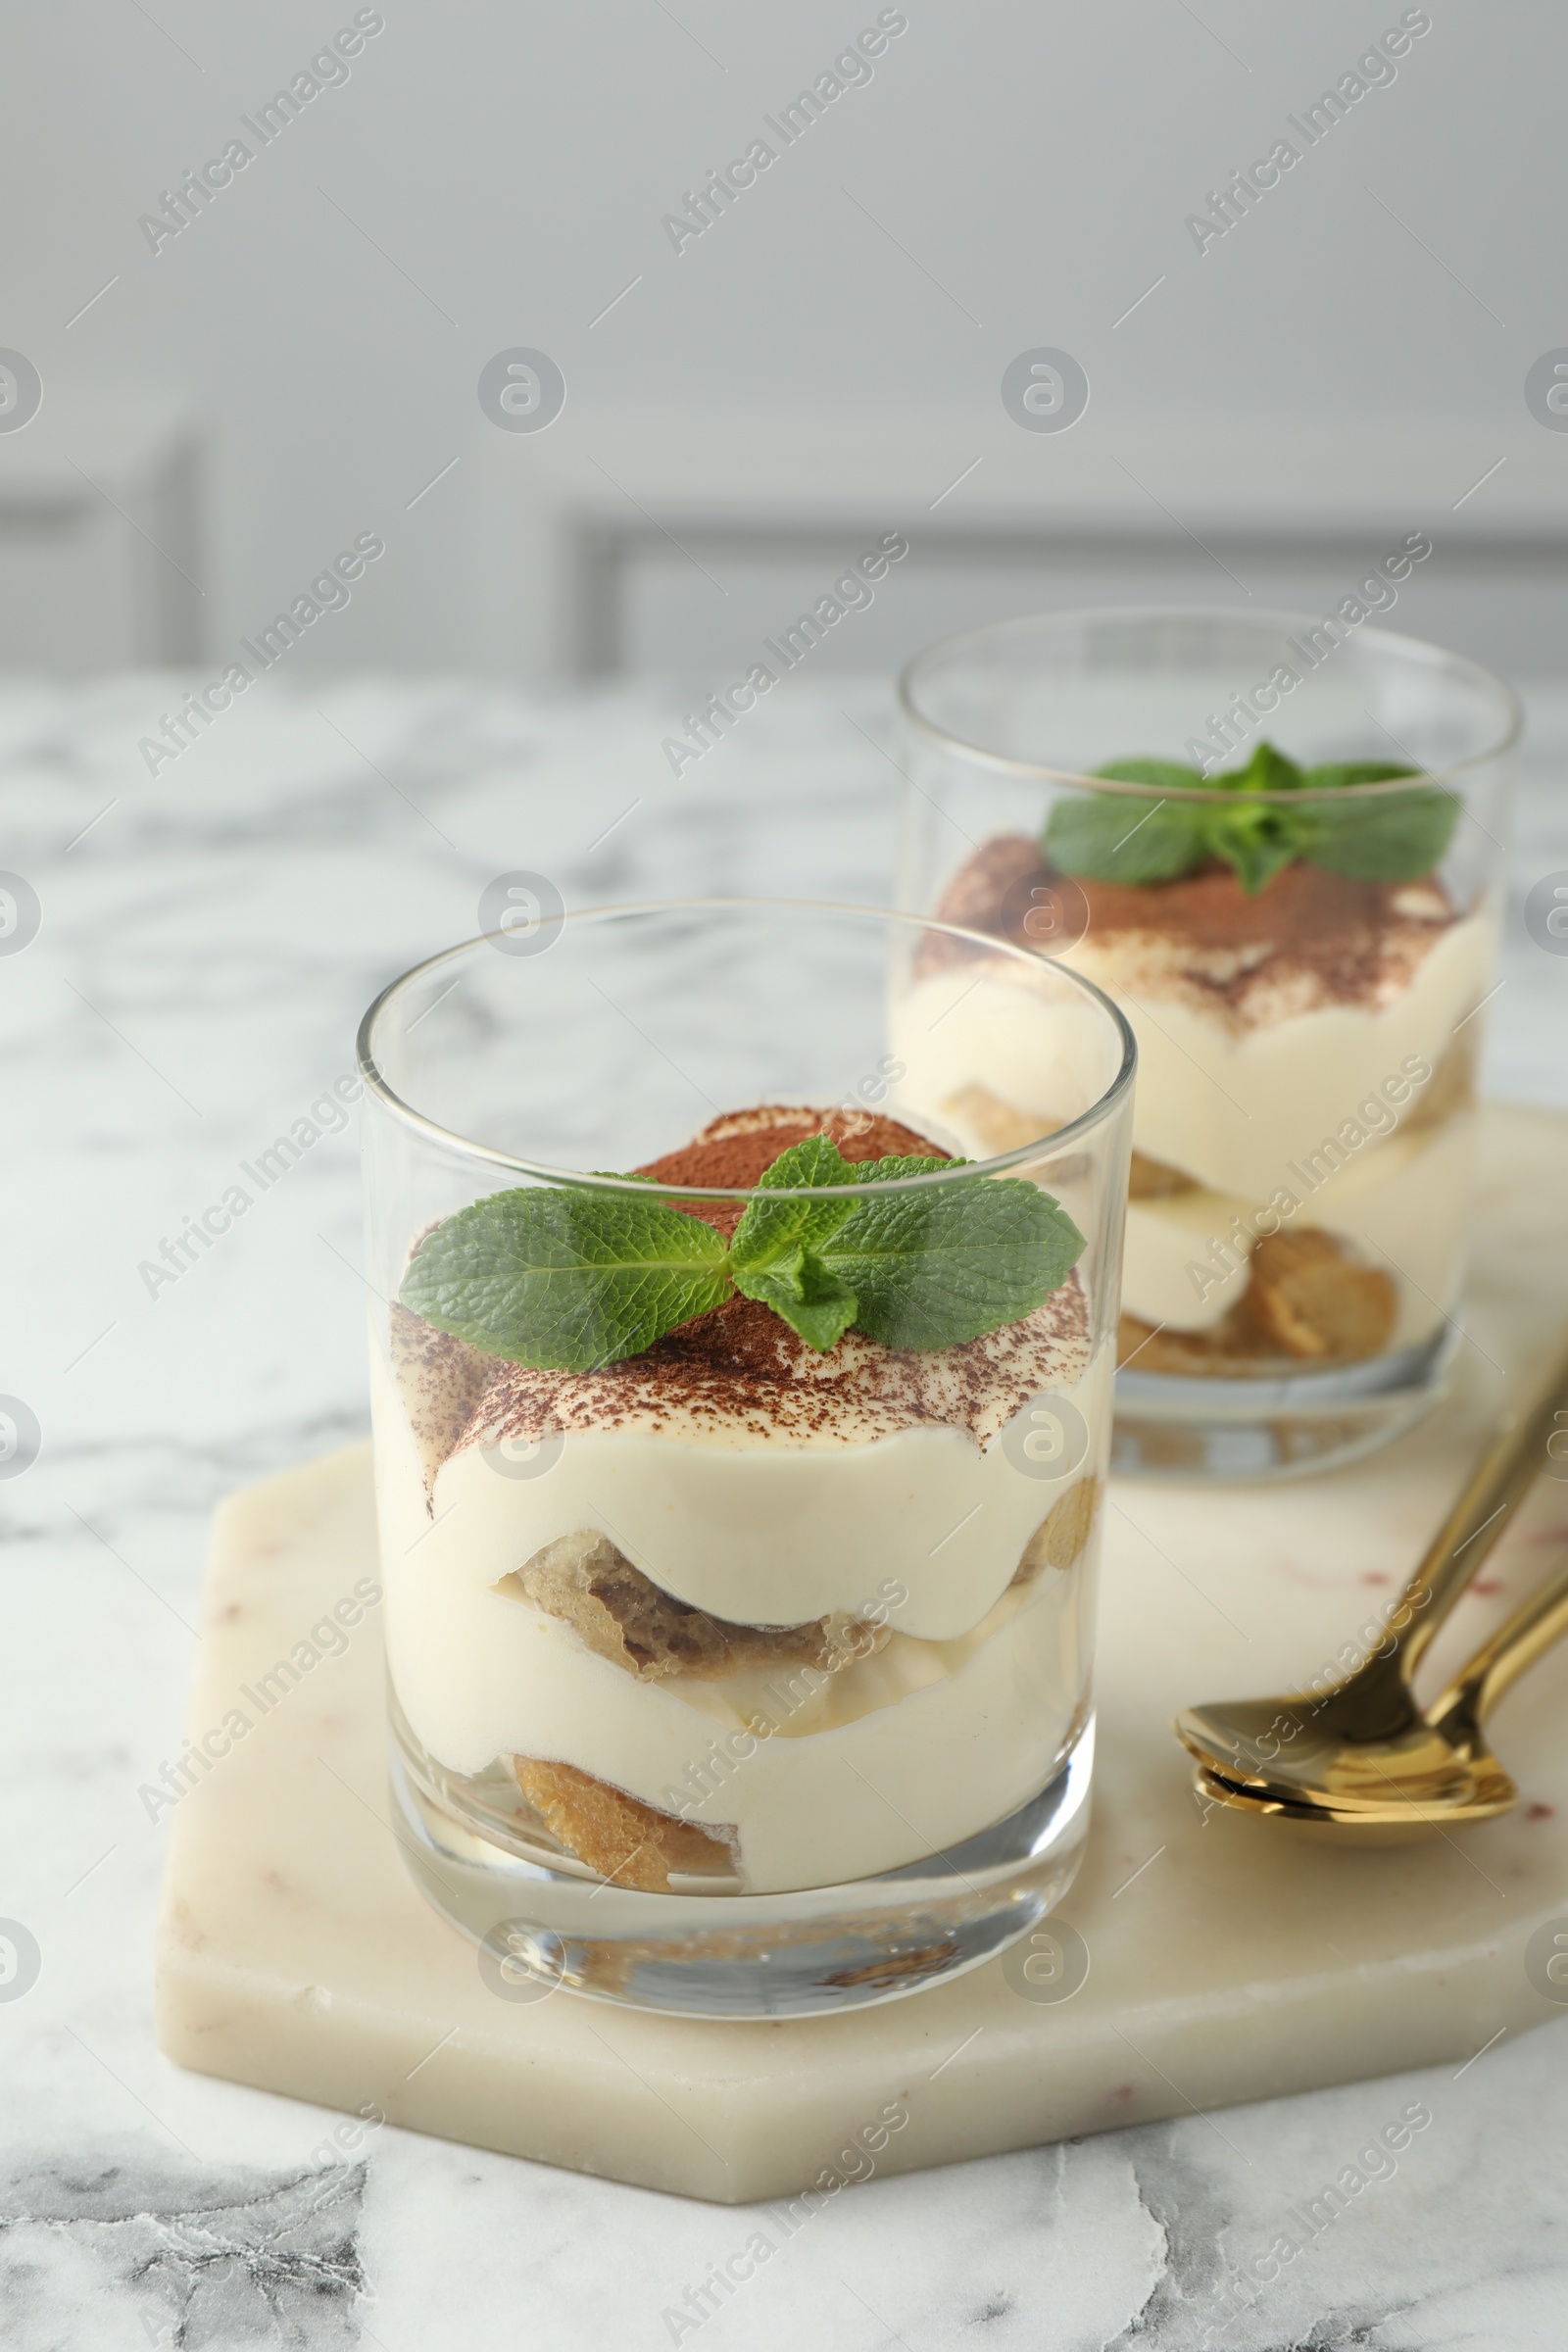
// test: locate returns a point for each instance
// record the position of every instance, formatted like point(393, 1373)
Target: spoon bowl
point(1333, 1766)
point(1490, 1793)
point(1362, 1758)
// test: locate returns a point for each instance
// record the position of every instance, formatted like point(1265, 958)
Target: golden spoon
point(1465, 1782)
point(1362, 1754)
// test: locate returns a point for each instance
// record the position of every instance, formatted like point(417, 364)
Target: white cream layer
point(902, 1754)
point(1400, 1205)
point(1229, 1110)
point(756, 1532)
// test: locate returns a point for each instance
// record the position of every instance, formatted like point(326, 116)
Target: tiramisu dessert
point(707, 1565)
point(1299, 978)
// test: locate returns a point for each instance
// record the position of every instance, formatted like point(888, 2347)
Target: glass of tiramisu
point(1276, 840)
point(741, 1435)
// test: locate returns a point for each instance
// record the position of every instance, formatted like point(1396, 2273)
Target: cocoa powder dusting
point(735, 1149)
point(1309, 937)
point(743, 1368)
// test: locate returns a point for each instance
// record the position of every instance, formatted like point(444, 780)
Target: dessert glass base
point(1175, 1428)
point(542, 1920)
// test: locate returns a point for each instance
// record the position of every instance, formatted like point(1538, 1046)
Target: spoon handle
point(1533, 1628)
point(1505, 1472)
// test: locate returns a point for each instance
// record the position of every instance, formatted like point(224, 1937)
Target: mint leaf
point(1107, 837)
point(814, 1302)
point(773, 1253)
point(1169, 775)
point(1392, 839)
point(1255, 837)
point(568, 1280)
point(884, 1171)
point(776, 1255)
point(1256, 854)
point(565, 1279)
point(918, 1270)
point(933, 1268)
point(769, 1231)
point(1267, 770)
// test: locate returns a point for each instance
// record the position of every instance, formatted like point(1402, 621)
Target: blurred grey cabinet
point(100, 539)
point(621, 546)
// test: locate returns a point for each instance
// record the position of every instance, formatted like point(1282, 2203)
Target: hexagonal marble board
point(1228, 1960)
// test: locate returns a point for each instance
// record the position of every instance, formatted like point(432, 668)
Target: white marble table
point(208, 941)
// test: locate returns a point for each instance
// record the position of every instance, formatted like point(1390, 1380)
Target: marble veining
point(209, 939)
point(194, 2255)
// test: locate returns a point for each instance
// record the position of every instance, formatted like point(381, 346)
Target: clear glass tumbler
point(739, 1458)
point(1277, 841)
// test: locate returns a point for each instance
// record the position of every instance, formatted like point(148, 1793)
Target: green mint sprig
point(1390, 838)
point(570, 1281)
point(565, 1279)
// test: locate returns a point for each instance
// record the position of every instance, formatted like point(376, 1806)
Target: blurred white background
point(299, 364)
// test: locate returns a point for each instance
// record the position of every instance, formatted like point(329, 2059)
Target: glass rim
point(1427, 654)
point(431, 1131)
